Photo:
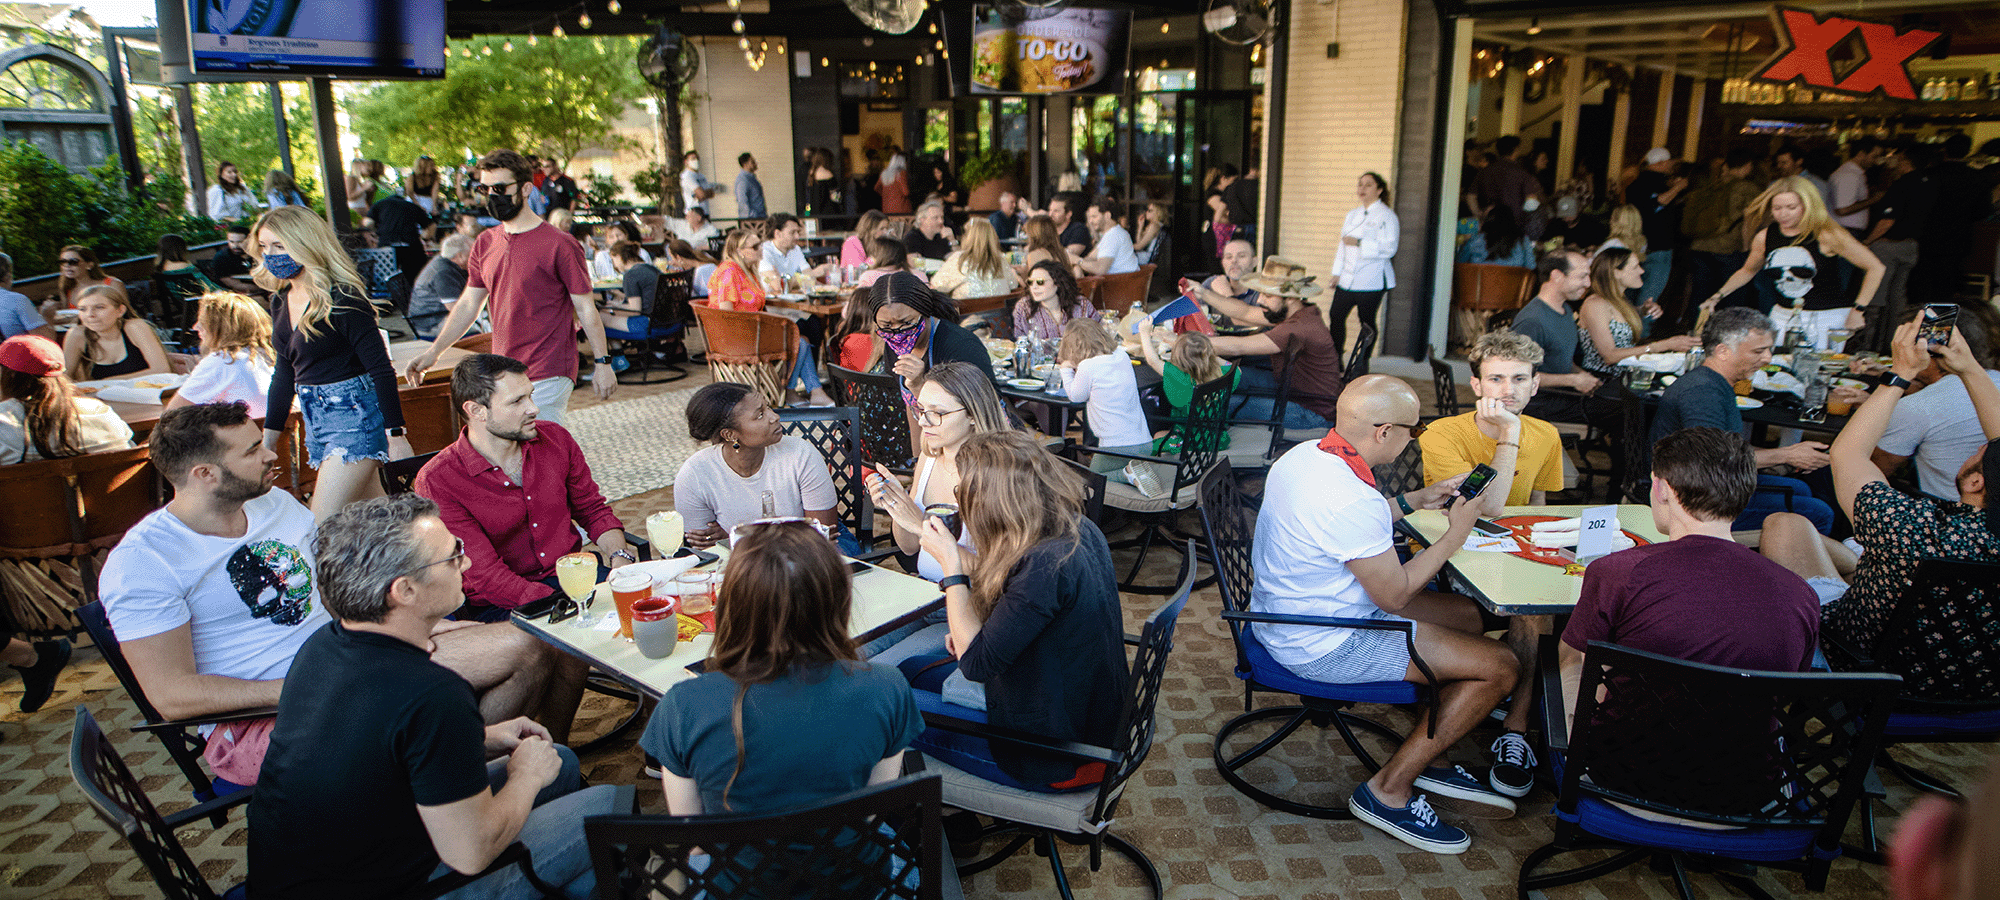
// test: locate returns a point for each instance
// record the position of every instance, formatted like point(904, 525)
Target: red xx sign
point(1873, 57)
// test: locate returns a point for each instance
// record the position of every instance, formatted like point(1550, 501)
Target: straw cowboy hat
point(1281, 277)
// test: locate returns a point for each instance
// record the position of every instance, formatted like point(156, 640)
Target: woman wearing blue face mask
point(330, 356)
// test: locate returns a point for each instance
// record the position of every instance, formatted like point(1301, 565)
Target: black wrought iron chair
point(1093, 489)
point(121, 801)
point(1256, 443)
point(399, 476)
point(1444, 384)
point(885, 841)
point(1357, 358)
point(668, 314)
point(1026, 816)
point(1403, 474)
point(1943, 638)
point(836, 433)
point(183, 741)
point(1777, 759)
point(885, 427)
point(1201, 437)
point(1230, 536)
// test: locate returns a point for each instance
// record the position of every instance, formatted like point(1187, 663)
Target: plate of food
point(1748, 403)
point(1026, 384)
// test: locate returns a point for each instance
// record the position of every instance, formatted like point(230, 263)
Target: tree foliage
point(44, 206)
point(553, 98)
point(235, 123)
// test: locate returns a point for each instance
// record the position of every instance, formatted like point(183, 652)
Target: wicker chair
point(1119, 293)
point(753, 348)
point(50, 559)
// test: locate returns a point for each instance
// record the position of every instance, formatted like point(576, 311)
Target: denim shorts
point(343, 421)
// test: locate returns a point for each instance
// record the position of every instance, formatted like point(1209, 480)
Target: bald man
point(1324, 548)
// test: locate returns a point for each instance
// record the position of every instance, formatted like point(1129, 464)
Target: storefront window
point(937, 130)
point(1157, 138)
point(1097, 127)
point(1013, 130)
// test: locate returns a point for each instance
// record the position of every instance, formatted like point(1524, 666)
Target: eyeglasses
point(1039, 282)
point(457, 554)
point(899, 329)
point(72, 261)
point(929, 418)
point(491, 189)
point(1416, 431)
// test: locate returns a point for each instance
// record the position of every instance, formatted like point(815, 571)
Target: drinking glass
point(626, 587)
point(697, 597)
point(576, 574)
point(1836, 339)
point(666, 530)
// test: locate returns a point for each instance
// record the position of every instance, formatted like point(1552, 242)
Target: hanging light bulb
point(583, 21)
point(1165, 26)
point(920, 60)
point(735, 4)
point(1256, 54)
point(508, 46)
point(823, 62)
point(743, 44)
point(486, 50)
point(1535, 25)
point(614, 7)
point(937, 45)
point(737, 26)
point(934, 28)
point(558, 31)
point(871, 65)
point(533, 40)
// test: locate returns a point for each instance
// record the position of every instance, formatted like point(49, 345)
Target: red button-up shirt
point(515, 531)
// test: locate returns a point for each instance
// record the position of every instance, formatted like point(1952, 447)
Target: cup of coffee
point(655, 628)
point(948, 513)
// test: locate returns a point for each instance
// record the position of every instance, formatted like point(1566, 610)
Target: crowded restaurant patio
point(1016, 511)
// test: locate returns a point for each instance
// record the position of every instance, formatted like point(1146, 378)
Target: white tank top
point(927, 565)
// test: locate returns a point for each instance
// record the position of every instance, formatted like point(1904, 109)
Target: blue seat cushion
point(1920, 724)
point(930, 702)
point(1601, 818)
point(1268, 673)
point(641, 329)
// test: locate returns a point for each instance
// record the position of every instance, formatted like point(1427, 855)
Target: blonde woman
point(1627, 231)
point(422, 185)
point(236, 355)
point(360, 188)
point(329, 356)
point(979, 268)
point(1795, 255)
point(109, 341)
point(1609, 329)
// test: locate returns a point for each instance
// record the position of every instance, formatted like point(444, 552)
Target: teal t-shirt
point(810, 735)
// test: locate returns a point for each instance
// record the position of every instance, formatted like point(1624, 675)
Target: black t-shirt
point(347, 345)
point(1908, 202)
point(225, 264)
point(369, 728)
point(927, 247)
point(398, 222)
point(1051, 655)
point(1661, 226)
point(641, 281)
point(1241, 198)
point(1076, 233)
point(560, 191)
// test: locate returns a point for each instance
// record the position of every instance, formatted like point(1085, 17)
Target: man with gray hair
point(377, 778)
point(18, 314)
point(1738, 341)
point(1008, 218)
point(438, 286)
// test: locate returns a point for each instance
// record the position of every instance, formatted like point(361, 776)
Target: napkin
point(1565, 532)
point(659, 569)
point(1781, 382)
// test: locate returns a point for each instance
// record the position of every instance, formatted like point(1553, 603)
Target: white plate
point(1748, 403)
point(1026, 384)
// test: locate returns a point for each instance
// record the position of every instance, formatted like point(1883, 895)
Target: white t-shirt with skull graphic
point(252, 600)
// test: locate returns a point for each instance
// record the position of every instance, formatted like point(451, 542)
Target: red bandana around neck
point(1335, 444)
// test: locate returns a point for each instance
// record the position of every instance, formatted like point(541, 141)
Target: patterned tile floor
point(1207, 840)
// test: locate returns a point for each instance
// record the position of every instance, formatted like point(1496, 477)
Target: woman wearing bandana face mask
point(919, 330)
point(329, 355)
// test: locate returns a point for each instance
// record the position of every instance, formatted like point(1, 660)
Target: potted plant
point(988, 173)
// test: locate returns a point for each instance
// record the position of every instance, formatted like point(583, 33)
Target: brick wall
point(745, 111)
point(1341, 118)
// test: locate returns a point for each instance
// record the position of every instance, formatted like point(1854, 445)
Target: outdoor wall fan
point(1238, 22)
point(892, 16)
point(667, 60)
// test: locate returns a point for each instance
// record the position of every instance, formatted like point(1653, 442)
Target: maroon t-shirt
point(1318, 367)
point(530, 277)
point(1700, 599)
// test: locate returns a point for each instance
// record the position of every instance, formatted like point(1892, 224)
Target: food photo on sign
point(1018, 49)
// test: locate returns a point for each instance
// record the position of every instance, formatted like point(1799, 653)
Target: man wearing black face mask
point(1282, 288)
point(540, 290)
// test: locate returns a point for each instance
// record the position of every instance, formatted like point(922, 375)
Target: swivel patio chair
point(1230, 535)
point(1201, 437)
point(120, 800)
point(753, 348)
point(1943, 638)
point(1444, 384)
point(1777, 759)
point(1093, 489)
point(668, 313)
point(1049, 819)
point(883, 841)
point(399, 476)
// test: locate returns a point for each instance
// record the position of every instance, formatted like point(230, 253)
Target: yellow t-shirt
point(1454, 445)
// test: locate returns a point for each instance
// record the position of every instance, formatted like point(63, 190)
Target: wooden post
point(1572, 112)
point(1697, 98)
point(1511, 85)
point(1663, 108)
point(191, 161)
point(1621, 121)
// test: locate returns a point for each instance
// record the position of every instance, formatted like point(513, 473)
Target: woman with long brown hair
point(1043, 243)
point(41, 414)
point(955, 402)
point(1053, 301)
point(422, 185)
point(856, 249)
point(786, 713)
point(1609, 329)
point(78, 271)
point(1035, 634)
point(109, 341)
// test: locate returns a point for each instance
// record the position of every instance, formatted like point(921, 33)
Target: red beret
point(31, 354)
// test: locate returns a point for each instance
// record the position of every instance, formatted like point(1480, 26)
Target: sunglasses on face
point(71, 261)
point(458, 553)
point(1039, 282)
point(1416, 431)
point(491, 189)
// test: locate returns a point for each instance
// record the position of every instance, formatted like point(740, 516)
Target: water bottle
point(1813, 408)
point(1024, 356)
point(1805, 362)
point(1795, 338)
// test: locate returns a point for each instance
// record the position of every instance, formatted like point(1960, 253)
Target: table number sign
point(1600, 524)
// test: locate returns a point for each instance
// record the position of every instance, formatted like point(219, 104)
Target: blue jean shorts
point(343, 421)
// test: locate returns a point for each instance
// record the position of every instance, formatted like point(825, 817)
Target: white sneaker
point(1144, 480)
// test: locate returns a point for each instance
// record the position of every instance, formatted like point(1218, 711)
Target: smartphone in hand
point(1937, 322)
point(1475, 482)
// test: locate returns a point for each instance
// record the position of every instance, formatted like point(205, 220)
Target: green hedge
point(44, 206)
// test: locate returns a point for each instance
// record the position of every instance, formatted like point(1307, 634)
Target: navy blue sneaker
point(1513, 771)
point(1470, 795)
point(1416, 824)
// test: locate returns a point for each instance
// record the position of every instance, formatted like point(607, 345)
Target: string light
point(1165, 26)
point(508, 46)
point(737, 26)
point(486, 50)
point(1256, 54)
point(614, 7)
point(558, 31)
point(533, 40)
point(583, 21)
point(934, 28)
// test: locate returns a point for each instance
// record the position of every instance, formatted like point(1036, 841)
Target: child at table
point(236, 355)
point(1098, 373)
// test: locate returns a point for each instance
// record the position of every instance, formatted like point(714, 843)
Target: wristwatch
point(627, 554)
point(601, 360)
point(1893, 380)
point(951, 581)
point(398, 431)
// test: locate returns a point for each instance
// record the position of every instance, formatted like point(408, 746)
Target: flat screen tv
point(1019, 49)
point(342, 38)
